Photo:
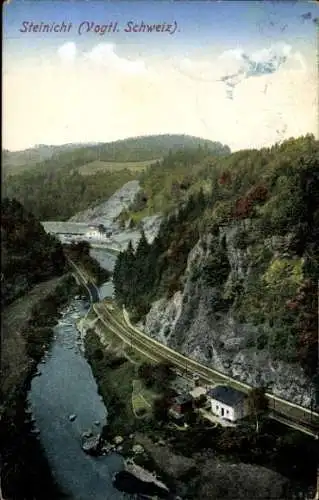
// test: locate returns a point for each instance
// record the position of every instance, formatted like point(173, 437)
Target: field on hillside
point(102, 166)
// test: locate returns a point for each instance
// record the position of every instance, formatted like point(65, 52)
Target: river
point(107, 261)
point(66, 386)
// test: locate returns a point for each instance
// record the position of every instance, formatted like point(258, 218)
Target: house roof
point(226, 395)
point(65, 227)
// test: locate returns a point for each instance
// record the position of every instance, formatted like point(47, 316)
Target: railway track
point(284, 412)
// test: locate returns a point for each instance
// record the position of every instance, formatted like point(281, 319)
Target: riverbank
point(26, 335)
point(114, 372)
point(80, 254)
point(179, 458)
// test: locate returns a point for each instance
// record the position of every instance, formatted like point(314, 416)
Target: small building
point(181, 404)
point(228, 403)
point(96, 233)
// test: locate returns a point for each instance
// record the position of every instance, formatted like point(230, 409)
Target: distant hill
point(135, 149)
point(149, 147)
point(77, 179)
point(18, 161)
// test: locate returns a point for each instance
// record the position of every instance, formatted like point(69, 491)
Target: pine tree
point(142, 269)
point(129, 276)
point(118, 278)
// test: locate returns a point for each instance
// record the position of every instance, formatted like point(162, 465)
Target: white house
point(95, 233)
point(228, 403)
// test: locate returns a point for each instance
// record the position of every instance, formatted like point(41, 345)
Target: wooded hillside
point(61, 186)
point(28, 254)
point(271, 198)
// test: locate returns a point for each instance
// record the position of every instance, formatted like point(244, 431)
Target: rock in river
point(118, 440)
point(91, 445)
point(72, 418)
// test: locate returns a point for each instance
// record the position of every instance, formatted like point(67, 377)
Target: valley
point(215, 268)
point(159, 251)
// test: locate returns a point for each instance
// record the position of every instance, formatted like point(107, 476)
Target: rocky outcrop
point(151, 225)
point(191, 323)
point(105, 213)
point(143, 474)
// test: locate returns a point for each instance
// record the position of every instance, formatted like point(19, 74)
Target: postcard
point(159, 244)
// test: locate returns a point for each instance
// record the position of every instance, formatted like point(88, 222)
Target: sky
point(240, 72)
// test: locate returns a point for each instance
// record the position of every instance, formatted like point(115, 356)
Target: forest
point(132, 149)
point(272, 196)
point(28, 254)
point(55, 189)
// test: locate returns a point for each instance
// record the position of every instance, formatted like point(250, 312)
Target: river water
point(66, 386)
point(107, 261)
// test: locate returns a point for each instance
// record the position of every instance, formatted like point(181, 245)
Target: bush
point(98, 354)
point(157, 376)
point(160, 408)
point(146, 374)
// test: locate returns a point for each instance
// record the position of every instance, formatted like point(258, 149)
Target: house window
point(227, 412)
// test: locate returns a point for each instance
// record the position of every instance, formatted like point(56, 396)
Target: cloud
point(104, 54)
point(67, 52)
point(234, 66)
point(104, 96)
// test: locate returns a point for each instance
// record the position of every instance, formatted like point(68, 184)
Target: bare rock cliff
point(191, 323)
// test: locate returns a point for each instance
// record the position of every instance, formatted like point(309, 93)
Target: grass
point(118, 383)
point(142, 398)
point(140, 406)
point(136, 356)
point(109, 336)
point(111, 166)
point(138, 216)
point(115, 382)
point(121, 381)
